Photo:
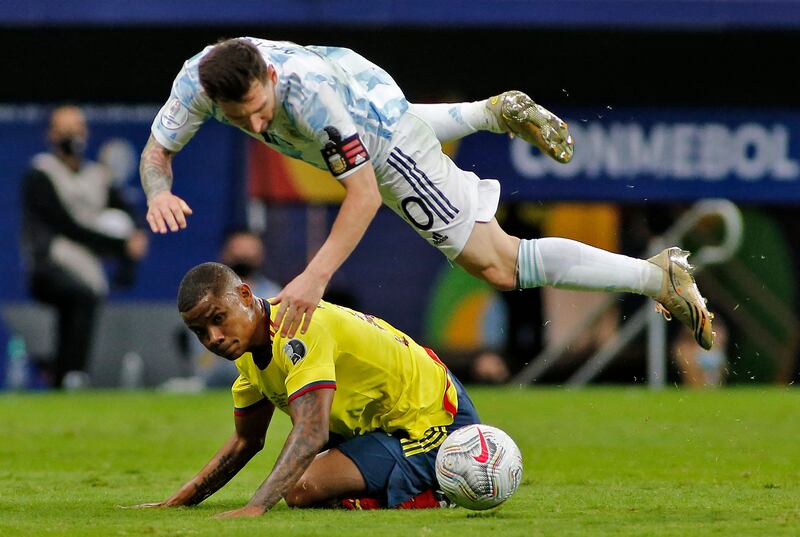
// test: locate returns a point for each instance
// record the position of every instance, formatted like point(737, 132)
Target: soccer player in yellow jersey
point(369, 405)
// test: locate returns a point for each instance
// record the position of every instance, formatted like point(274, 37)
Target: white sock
point(456, 120)
point(568, 264)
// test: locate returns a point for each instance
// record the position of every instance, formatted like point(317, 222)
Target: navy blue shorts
point(391, 471)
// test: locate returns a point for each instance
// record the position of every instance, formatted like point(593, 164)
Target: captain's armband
point(343, 155)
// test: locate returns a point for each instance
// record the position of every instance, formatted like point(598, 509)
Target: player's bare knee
point(303, 494)
point(296, 498)
point(500, 278)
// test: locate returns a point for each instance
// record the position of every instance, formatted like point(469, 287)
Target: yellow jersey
point(383, 379)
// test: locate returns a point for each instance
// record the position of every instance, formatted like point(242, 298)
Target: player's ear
point(272, 74)
point(246, 294)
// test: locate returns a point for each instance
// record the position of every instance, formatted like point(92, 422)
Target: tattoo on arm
point(228, 466)
point(309, 433)
point(155, 168)
point(248, 440)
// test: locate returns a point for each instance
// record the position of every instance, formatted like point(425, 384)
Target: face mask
point(72, 146)
point(244, 269)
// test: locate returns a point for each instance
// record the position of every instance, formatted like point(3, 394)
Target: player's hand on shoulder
point(166, 211)
point(298, 300)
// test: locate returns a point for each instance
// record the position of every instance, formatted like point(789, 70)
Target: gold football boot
point(679, 296)
point(518, 115)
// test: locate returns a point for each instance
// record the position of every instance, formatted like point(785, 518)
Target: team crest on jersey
point(345, 154)
point(175, 115)
point(337, 164)
point(295, 350)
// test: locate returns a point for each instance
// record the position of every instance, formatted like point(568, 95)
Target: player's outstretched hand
point(298, 300)
point(166, 211)
point(144, 505)
point(242, 512)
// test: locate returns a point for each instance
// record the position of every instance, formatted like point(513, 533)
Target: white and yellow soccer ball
point(478, 467)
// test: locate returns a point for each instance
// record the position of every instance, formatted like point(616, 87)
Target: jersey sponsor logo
point(175, 115)
point(295, 350)
point(345, 154)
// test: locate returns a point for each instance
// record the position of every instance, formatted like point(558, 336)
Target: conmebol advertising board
point(648, 154)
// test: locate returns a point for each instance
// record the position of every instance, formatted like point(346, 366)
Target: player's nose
point(215, 336)
point(257, 123)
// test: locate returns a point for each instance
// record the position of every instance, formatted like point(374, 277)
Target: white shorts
point(421, 184)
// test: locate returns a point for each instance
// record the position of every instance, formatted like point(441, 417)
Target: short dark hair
point(213, 278)
point(228, 71)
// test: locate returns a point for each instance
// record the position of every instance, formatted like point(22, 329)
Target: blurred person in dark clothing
point(73, 218)
point(524, 333)
point(243, 251)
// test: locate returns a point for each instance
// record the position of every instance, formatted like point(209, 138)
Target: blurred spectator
point(243, 251)
point(488, 367)
point(524, 331)
point(73, 219)
point(701, 368)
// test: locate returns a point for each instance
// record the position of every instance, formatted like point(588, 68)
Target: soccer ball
point(478, 467)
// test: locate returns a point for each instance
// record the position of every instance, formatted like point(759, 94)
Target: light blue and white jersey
point(325, 97)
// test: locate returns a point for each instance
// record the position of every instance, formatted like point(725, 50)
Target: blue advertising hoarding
point(652, 155)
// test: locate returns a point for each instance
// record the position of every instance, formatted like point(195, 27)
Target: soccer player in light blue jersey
point(337, 111)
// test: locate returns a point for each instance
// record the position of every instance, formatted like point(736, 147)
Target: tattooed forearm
point(231, 458)
point(155, 168)
point(228, 466)
point(309, 433)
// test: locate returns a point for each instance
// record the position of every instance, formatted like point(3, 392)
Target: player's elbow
point(257, 445)
point(315, 434)
point(250, 445)
point(371, 200)
point(321, 436)
point(368, 193)
point(149, 149)
point(318, 439)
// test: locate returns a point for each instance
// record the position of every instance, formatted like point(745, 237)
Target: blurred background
point(686, 120)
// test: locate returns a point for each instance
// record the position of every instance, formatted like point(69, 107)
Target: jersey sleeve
point(320, 113)
point(246, 397)
point(309, 362)
point(184, 112)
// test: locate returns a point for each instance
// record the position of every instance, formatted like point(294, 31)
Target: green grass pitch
point(597, 462)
